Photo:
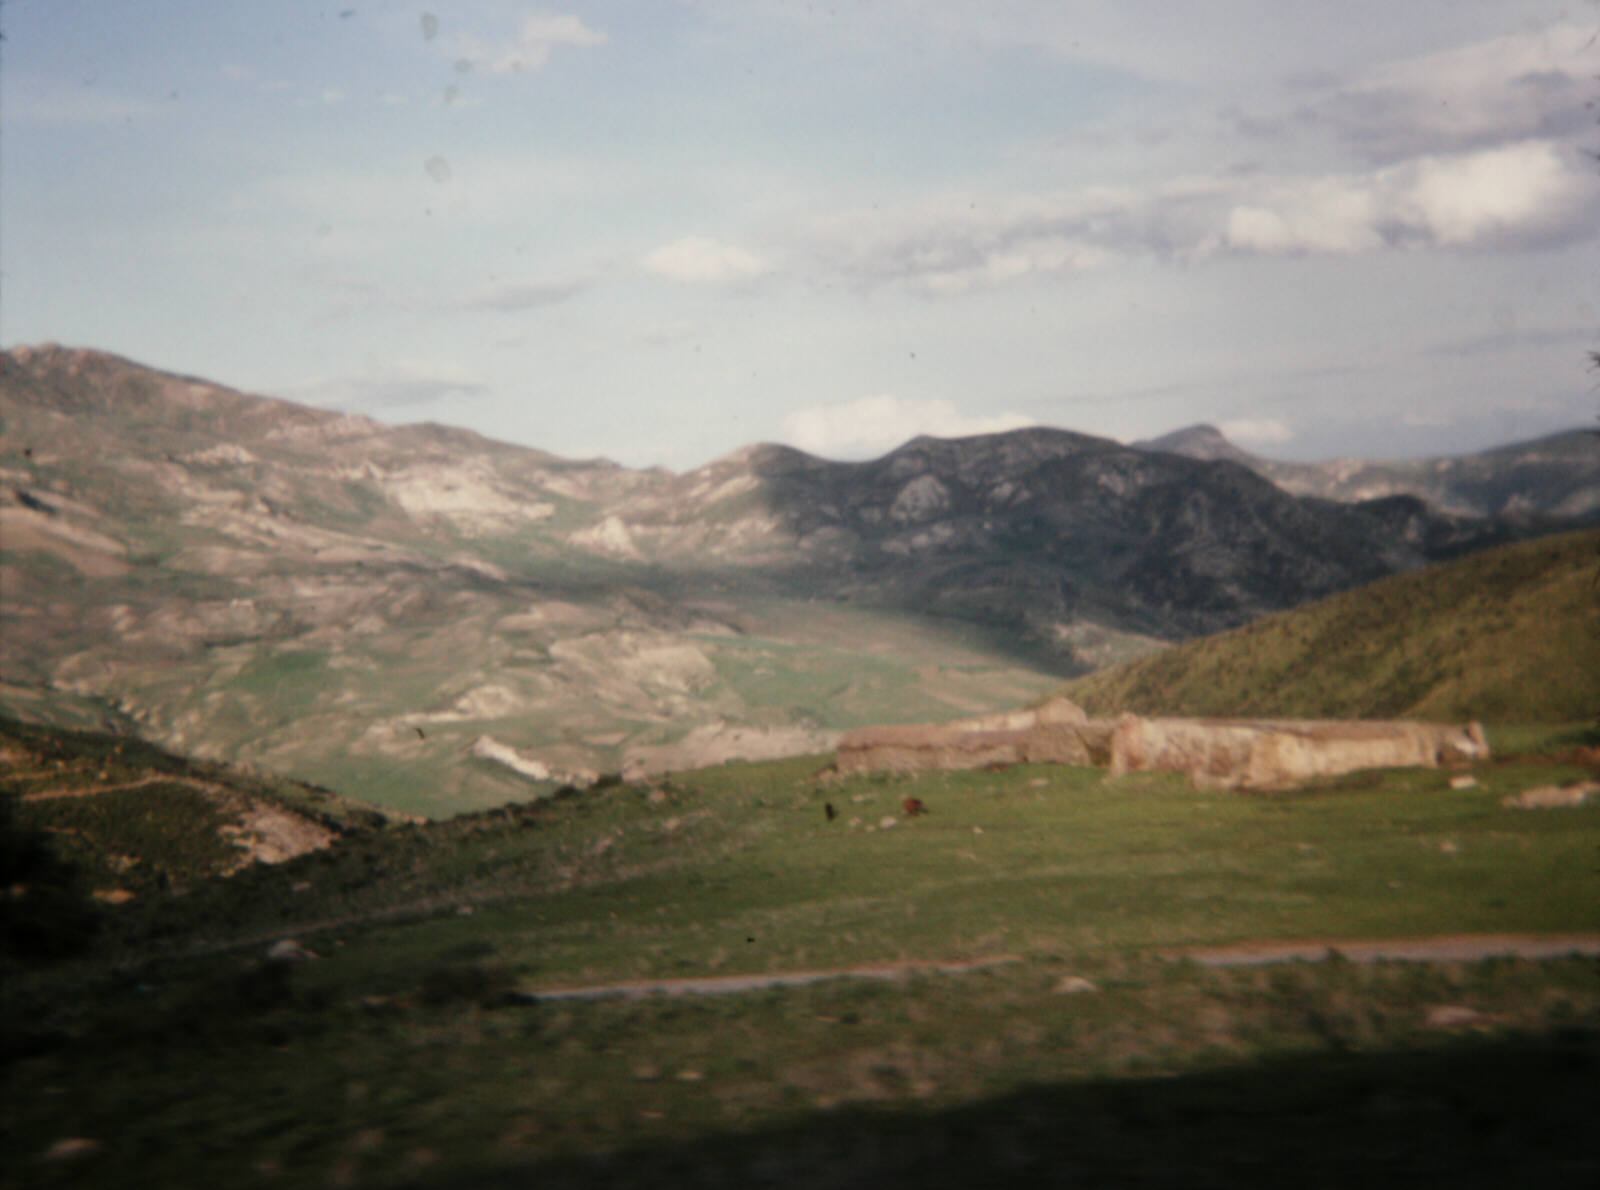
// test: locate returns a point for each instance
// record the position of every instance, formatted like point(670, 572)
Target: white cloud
point(959, 243)
point(699, 260)
point(873, 425)
point(1524, 190)
point(1526, 194)
point(1522, 194)
point(531, 48)
point(1334, 216)
point(1252, 431)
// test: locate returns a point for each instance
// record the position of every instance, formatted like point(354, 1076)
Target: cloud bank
point(873, 425)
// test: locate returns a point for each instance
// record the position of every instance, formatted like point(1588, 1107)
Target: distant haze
point(656, 232)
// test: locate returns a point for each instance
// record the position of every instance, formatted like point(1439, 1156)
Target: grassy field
point(414, 1051)
point(1507, 635)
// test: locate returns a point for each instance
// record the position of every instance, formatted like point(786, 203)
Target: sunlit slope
point(1508, 635)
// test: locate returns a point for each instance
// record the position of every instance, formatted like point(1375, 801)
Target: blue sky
point(662, 229)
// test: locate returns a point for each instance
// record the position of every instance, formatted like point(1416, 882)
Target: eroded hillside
point(438, 621)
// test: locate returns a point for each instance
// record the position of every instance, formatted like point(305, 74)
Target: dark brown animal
point(913, 806)
point(827, 808)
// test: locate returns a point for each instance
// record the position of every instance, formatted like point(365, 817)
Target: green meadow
point(416, 1050)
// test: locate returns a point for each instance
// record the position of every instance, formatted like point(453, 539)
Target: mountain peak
point(1199, 441)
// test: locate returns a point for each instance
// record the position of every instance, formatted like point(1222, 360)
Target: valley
point(438, 622)
point(456, 733)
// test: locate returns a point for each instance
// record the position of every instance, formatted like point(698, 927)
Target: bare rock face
point(1223, 753)
point(1058, 732)
point(1277, 754)
point(1551, 797)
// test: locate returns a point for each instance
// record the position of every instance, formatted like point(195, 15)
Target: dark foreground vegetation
point(403, 1040)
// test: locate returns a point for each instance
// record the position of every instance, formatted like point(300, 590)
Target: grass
point(1507, 635)
point(396, 1059)
point(1167, 1076)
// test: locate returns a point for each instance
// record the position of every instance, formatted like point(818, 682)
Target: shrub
point(45, 909)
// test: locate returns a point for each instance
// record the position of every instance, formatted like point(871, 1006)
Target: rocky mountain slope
point(409, 614)
point(1044, 530)
point(435, 621)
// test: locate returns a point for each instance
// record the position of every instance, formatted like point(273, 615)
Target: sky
point(660, 230)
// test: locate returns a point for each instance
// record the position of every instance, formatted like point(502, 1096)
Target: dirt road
point(1448, 948)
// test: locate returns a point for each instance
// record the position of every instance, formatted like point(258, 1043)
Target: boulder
point(1551, 797)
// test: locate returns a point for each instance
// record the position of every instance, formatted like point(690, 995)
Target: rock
point(269, 834)
point(70, 1148)
point(887, 822)
point(287, 950)
point(1452, 1016)
point(1057, 732)
point(1464, 782)
point(486, 747)
point(1549, 797)
point(1057, 711)
point(1281, 753)
point(1075, 985)
point(1227, 753)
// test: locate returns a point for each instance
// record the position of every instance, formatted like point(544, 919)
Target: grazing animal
point(419, 731)
point(827, 808)
point(913, 806)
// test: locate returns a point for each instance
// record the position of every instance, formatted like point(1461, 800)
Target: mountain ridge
point(1551, 475)
point(344, 601)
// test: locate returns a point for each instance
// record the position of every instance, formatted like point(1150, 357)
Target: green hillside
point(1509, 635)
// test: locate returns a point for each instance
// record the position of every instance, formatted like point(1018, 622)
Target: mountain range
point(1546, 477)
point(435, 621)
